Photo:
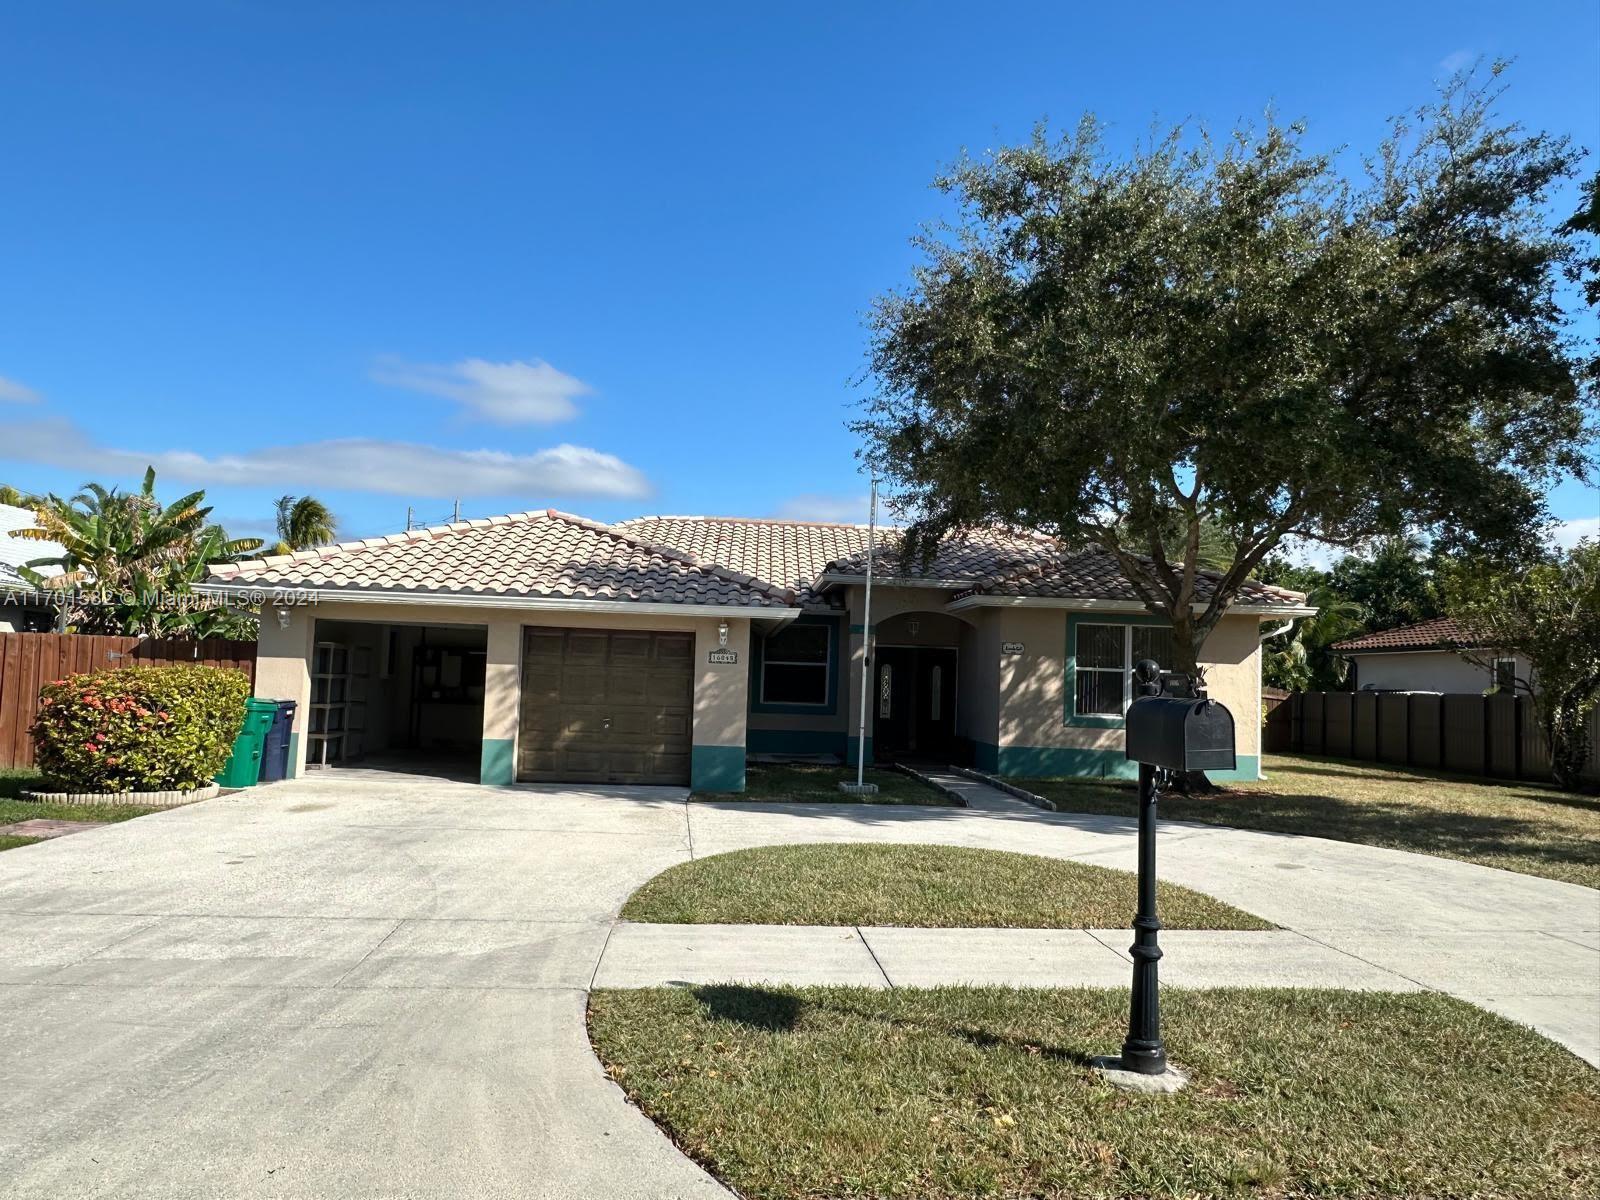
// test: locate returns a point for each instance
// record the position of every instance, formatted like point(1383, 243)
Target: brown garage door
point(605, 706)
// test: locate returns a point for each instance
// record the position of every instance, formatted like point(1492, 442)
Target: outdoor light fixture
point(283, 618)
point(722, 634)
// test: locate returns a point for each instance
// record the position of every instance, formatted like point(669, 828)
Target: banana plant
point(130, 561)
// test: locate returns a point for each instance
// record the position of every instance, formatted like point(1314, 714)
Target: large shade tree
point(1126, 351)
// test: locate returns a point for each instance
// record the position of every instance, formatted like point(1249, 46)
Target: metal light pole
point(866, 641)
point(1143, 1052)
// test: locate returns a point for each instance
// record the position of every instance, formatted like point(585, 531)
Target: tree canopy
point(1229, 332)
point(1547, 614)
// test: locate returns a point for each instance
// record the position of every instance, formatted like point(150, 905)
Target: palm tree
point(303, 522)
point(11, 496)
point(130, 551)
point(1302, 661)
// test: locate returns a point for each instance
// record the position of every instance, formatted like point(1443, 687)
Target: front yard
point(923, 886)
point(797, 1094)
point(1527, 827)
point(13, 809)
point(818, 783)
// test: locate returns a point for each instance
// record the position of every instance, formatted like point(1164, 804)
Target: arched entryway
point(915, 674)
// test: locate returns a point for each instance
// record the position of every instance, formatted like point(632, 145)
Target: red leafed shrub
point(139, 729)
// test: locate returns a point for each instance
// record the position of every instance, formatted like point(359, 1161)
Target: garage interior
point(397, 697)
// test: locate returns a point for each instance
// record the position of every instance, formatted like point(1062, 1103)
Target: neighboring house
point(547, 647)
point(1426, 658)
point(22, 608)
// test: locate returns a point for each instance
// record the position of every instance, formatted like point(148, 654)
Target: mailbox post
point(1143, 1051)
point(1165, 735)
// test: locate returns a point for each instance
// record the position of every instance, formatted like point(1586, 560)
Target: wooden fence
point(1497, 735)
point(30, 660)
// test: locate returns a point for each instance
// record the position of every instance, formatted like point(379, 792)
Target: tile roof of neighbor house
point(1440, 633)
point(546, 554)
point(699, 560)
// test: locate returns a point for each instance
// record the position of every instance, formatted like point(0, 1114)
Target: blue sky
point(612, 258)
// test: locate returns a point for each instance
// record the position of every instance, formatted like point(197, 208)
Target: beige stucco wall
point(720, 691)
point(1032, 685)
point(283, 672)
point(978, 700)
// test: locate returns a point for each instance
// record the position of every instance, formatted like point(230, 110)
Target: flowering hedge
point(139, 729)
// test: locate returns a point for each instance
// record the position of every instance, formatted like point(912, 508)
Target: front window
point(1105, 655)
point(794, 665)
point(1505, 675)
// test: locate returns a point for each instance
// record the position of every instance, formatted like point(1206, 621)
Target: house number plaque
point(724, 657)
point(1010, 647)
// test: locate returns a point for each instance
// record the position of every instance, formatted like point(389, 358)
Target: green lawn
point(814, 783)
point(12, 809)
point(1526, 827)
point(787, 1093)
point(926, 886)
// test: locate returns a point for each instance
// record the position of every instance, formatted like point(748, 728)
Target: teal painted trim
point(859, 628)
point(1049, 762)
point(757, 657)
point(717, 769)
point(795, 741)
point(850, 749)
point(1248, 767)
point(1070, 715)
point(1052, 762)
point(497, 764)
point(294, 756)
point(986, 757)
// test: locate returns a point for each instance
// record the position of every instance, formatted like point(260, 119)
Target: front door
point(914, 703)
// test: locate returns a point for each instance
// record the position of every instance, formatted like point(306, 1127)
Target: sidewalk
point(1528, 976)
point(888, 956)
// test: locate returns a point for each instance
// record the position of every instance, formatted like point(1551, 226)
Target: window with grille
point(1104, 656)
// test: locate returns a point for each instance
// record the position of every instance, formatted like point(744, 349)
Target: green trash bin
point(244, 764)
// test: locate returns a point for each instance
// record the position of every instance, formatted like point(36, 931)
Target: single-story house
point(23, 609)
point(1426, 657)
point(547, 647)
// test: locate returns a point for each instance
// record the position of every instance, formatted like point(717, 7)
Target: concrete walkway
point(367, 985)
point(878, 956)
point(978, 795)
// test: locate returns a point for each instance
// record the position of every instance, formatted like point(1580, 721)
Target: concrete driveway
point(369, 985)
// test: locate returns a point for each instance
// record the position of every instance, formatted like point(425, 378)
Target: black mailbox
point(1180, 734)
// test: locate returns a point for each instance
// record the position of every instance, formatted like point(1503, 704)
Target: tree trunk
point(1186, 660)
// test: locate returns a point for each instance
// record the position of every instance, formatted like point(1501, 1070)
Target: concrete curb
point(961, 801)
point(1010, 789)
point(167, 799)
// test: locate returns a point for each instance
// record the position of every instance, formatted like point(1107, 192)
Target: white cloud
point(511, 393)
point(818, 507)
point(15, 392)
point(1568, 533)
point(1457, 60)
point(344, 464)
